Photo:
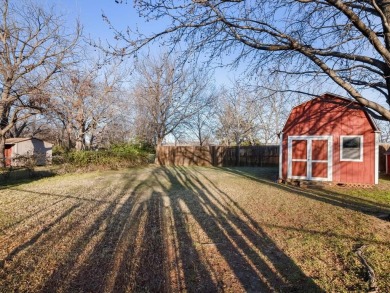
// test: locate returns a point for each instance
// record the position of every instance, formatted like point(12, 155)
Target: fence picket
point(263, 155)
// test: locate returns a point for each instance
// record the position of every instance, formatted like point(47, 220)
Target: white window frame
point(361, 148)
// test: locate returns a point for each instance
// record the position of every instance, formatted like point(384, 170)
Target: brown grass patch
point(188, 229)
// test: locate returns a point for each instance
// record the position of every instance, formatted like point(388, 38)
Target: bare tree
point(118, 131)
point(34, 47)
point(118, 127)
point(34, 126)
point(202, 125)
point(86, 101)
point(274, 104)
point(385, 131)
point(254, 113)
point(345, 41)
point(166, 95)
point(238, 117)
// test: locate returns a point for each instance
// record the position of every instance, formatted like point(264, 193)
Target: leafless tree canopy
point(166, 95)
point(200, 127)
point(34, 47)
point(347, 41)
point(85, 101)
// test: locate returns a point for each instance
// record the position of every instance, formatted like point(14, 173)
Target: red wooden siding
point(7, 155)
point(334, 116)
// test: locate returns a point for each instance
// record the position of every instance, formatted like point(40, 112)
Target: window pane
point(351, 154)
point(299, 149)
point(351, 148)
point(351, 142)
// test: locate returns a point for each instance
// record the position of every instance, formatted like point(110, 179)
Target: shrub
point(118, 156)
point(5, 173)
point(58, 150)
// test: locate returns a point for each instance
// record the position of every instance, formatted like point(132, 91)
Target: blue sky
point(90, 12)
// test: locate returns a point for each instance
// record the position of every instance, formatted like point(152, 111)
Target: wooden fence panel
point(267, 155)
point(383, 147)
point(218, 156)
point(183, 156)
point(223, 156)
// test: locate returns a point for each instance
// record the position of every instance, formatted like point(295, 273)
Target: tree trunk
point(157, 158)
point(2, 149)
point(68, 131)
point(385, 6)
point(200, 137)
point(3, 129)
point(160, 141)
point(79, 145)
point(91, 142)
point(80, 140)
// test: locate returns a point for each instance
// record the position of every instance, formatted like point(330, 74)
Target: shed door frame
point(309, 139)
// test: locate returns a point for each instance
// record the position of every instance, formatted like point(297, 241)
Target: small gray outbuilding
point(17, 150)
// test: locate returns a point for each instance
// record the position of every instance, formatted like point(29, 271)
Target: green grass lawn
point(198, 229)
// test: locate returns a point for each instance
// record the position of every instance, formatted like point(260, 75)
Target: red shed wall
point(329, 115)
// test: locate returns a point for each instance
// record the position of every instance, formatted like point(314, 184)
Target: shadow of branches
point(255, 260)
point(333, 197)
point(158, 230)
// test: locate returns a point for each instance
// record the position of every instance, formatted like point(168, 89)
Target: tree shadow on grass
point(37, 236)
point(334, 198)
point(70, 275)
point(14, 177)
point(130, 251)
point(143, 267)
point(385, 177)
point(266, 176)
point(144, 238)
point(32, 215)
point(255, 260)
point(145, 243)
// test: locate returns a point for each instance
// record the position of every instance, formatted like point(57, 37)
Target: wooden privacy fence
point(223, 156)
point(265, 155)
point(383, 147)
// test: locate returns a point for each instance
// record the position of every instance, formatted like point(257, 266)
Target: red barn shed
point(329, 138)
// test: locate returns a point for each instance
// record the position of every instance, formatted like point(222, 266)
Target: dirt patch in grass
point(184, 230)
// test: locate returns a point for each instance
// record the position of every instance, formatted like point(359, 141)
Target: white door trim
point(309, 139)
point(377, 138)
point(280, 155)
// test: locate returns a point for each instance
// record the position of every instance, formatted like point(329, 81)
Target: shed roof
point(16, 140)
point(325, 96)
